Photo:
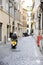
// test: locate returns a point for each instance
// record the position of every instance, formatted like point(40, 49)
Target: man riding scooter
point(14, 40)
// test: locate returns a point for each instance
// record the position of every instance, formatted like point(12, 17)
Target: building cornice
point(6, 12)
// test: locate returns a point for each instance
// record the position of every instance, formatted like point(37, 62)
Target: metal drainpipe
point(19, 9)
point(14, 17)
point(42, 22)
point(9, 18)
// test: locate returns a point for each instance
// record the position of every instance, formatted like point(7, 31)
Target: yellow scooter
point(14, 41)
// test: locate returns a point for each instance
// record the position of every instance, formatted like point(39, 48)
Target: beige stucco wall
point(4, 19)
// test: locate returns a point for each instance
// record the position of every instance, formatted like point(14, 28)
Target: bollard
point(39, 37)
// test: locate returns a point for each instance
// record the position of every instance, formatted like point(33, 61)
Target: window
point(39, 21)
point(13, 29)
point(6, 5)
point(27, 26)
point(13, 26)
point(29, 19)
point(0, 2)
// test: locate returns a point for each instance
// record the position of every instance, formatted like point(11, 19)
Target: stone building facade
point(9, 19)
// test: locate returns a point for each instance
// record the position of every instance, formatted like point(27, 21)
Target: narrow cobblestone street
point(21, 32)
point(26, 53)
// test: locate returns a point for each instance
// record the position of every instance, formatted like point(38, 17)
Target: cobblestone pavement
point(26, 53)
